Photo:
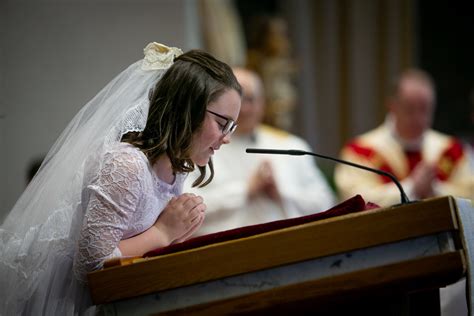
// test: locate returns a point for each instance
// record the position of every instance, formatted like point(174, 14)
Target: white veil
point(42, 228)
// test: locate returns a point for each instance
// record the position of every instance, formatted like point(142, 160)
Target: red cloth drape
point(352, 205)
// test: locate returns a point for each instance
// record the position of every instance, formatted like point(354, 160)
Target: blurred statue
point(269, 54)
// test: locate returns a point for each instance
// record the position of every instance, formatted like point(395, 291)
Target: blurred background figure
point(259, 41)
point(269, 54)
point(345, 51)
point(427, 162)
point(251, 189)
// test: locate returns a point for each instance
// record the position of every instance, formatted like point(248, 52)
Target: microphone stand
point(403, 197)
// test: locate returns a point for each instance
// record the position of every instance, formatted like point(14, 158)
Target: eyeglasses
point(229, 127)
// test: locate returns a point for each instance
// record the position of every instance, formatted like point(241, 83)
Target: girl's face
point(210, 137)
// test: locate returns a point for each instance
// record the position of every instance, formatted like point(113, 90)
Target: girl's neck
point(164, 170)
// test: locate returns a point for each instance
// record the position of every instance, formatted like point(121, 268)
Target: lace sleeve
point(113, 198)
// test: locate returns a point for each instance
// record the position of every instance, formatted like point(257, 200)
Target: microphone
point(294, 152)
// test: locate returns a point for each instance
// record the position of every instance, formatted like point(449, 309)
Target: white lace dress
point(122, 199)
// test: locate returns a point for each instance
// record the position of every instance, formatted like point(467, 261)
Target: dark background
point(444, 48)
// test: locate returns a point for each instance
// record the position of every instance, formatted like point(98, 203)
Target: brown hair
point(178, 105)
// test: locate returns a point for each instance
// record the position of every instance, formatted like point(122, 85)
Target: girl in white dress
point(111, 185)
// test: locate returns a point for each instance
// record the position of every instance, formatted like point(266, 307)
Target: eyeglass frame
point(229, 127)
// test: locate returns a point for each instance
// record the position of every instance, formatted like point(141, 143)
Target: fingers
point(423, 176)
point(185, 204)
point(263, 174)
point(197, 212)
point(197, 224)
point(181, 217)
point(192, 202)
point(186, 200)
point(191, 206)
point(264, 171)
point(425, 170)
point(261, 181)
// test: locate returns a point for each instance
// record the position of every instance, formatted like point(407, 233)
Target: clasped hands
point(262, 182)
point(423, 177)
point(183, 216)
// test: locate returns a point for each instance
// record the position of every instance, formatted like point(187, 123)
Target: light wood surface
point(313, 240)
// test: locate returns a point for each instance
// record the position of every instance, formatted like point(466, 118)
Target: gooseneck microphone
point(294, 152)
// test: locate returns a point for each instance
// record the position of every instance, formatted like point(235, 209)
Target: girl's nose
point(226, 139)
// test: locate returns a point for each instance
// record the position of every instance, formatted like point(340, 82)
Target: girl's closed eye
point(221, 125)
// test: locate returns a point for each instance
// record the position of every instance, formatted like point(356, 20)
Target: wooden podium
point(393, 259)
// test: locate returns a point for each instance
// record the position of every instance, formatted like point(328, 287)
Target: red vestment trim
point(373, 157)
point(449, 159)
